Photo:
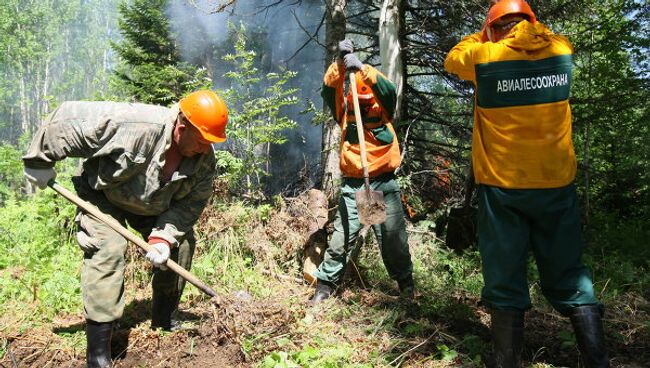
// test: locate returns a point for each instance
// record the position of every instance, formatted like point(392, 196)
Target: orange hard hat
point(364, 92)
point(505, 7)
point(207, 112)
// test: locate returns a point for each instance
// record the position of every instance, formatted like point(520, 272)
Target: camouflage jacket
point(124, 148)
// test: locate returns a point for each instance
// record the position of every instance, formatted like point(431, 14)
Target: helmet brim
point(212, 138)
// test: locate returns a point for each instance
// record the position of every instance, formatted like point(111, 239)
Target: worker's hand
point(158, 255)
point(352, 63)
point(40, 177)
point(87, 243)
point(345, 47)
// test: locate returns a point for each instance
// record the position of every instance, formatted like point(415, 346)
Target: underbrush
point(39, 263)
point(251, 256)
point(619, 255)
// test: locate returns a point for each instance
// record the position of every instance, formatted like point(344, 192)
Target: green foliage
point(612, 130)
point(474, 346)
point(150, 69)
point(307, 355)
point(619, 256)
point(38, 259)
point(319, 116)
point(229, 167)
point(264, 212)
point(327, 356)
point(568, 338)
point(11, 172)
point(445, 353)
point(256, 102)
point(279, 360)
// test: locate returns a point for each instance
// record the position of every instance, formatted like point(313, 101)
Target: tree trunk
point(331, 174)
point(390, 48)
point(24, 110)
point(43, 103)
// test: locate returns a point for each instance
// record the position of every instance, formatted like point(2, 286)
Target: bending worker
point(377, 100)
point(147, 166)
point(525, 165)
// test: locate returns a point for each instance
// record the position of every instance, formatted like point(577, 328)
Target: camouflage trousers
point(102, 272)
point(391, 235)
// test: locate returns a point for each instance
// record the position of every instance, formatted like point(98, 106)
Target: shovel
point(113, 224)
point(370, 203)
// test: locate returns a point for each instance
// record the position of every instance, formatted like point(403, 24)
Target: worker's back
point(522, 132)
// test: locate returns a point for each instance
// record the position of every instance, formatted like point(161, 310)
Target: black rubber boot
point(407, 288)
point(324, 290)
point(588, 326)
point(98, 339)
point(163, 308)
point(507, 337)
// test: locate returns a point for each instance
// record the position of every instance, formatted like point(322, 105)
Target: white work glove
point(40, 177)
point(345, 47)
point(158, 255)
point(352, 63)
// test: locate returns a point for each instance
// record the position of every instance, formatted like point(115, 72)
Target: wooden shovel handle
point(359, 124)
point(113, 224)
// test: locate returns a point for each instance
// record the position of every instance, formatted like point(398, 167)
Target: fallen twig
point(363, 284)
point(11, 355)
point(413, 348)
point(284, 277)
point(424, 232)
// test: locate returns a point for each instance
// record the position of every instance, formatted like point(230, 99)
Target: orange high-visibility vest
point(382, 157)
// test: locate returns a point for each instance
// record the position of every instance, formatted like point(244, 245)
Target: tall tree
point(335, 32)
point(52, 51)
point(391, 23)
point(611, 40)
point(150, 68)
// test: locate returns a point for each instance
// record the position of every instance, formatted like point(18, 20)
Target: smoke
point(285, 29)
point(196, 31)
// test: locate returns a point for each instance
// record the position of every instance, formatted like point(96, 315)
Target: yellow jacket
point(522, 118)
point(382, 147)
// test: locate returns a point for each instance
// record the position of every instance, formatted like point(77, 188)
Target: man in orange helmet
point(147, 166)
point(377, 99)
point(525, 165)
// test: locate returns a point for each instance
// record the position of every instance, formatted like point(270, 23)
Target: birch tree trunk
point(335, 32)
point(390, 48)
point(24, 110)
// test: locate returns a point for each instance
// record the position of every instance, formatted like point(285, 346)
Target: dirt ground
point(210, 337)
point(214, 334)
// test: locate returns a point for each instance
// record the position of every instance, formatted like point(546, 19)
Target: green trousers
point(102, 272)
point(391, 235)
point(511, 222)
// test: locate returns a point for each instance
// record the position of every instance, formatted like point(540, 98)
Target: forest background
point(267, 59)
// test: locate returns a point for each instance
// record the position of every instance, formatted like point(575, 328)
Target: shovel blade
point(371, 207)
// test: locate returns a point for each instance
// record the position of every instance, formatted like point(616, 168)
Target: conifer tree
point(150, 68)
